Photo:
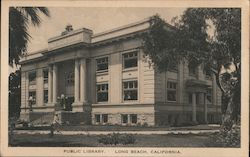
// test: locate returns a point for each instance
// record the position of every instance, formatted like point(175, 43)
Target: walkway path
point(110, 132)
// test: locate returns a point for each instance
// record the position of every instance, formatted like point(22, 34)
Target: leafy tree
point(189, 40)
point(19, 20)
point(14, 94)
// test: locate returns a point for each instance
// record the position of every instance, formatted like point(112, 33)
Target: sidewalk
point(32, 132)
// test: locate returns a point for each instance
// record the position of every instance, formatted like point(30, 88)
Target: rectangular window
point(105, 118)
point(102, 64)
point(45, 75)
point(97, 118)
point(102, 92)
point(124, 118)
point(171, 91)
point(133, 118)
point(190, 98)
point(32, 77)
point(32, 96)
point(130, 60)
point(192, 68)
point(130, 91)
point(209, 96)
point(45, 96)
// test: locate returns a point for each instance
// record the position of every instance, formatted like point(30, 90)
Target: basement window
point(97, 118)
point(105, 118)
point(124, 118)
point(133, 118)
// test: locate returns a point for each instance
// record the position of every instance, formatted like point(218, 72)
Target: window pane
point(124, 118)
point(125, 85)
point(32, 95)
point(105, 118)
point(103, 87)
point(133, 118)
point(45, 96)
point(97, 118)
point(32, 76)
point(102, 96)
point(131, 84)
point(98, 87)
point(129, 63)
point(102, 64)
point(135, 84)
point(130, 95)
point(171, 95)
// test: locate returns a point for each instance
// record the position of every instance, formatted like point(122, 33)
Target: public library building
point(106, 81)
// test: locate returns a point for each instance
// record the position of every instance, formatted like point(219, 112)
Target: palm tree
point(19, 20)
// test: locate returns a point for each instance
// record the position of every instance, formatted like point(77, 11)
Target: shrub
point(116, 138)
point(229, 138)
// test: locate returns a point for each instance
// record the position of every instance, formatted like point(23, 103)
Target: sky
point(96, 19)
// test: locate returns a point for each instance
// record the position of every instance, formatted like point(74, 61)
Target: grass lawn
point(170, 140)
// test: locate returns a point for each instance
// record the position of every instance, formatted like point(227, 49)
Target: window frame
point(100, 58)
point(103, 115)
point(105, 91)
point(131, 118)
point(130, 89)
point(98, 115)
point(45, 80)
point(70, 78)
point(194, 67)
point(32, 91)
point(45, 102)
point(128, 58)
point(32, 82)
point(172, 89)
point(122, 116)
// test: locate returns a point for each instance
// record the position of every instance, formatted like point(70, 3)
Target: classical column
point(205, 107)
point(76, 81)
point(54, 83)
point(83, 80)
point(194, 107)
point(50, 85)
point(214, 91)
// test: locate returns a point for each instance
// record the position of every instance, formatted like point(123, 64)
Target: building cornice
point(85, 37)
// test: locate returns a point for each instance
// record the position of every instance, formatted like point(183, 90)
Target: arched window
point(70, 79)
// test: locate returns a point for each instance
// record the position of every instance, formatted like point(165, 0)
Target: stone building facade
point(106, 80)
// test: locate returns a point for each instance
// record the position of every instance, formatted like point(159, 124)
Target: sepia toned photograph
point(128, 78)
